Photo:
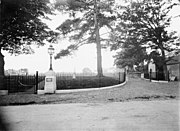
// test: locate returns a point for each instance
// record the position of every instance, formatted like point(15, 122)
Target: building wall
point(174, 70)
point(151, 66)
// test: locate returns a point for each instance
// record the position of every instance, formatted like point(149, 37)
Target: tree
point(21, 26)
point(87, 18)
point(130, 56)
point(86, 70)
point(131, 53)
point(147, 21)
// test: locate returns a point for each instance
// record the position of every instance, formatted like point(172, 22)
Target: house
point(11, 72)
point(151, 66)
point(174, 67)
point(16, 72)
point(23, 71)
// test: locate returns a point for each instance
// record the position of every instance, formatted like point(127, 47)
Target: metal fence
point(22, 83)
point(90, 80)
point(31, 83)
point(156, 76)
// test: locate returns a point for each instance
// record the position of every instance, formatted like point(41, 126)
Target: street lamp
point(51, 52)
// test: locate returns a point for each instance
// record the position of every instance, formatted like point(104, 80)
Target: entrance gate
point(26, 84)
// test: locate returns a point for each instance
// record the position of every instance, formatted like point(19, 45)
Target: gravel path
point(135, 89)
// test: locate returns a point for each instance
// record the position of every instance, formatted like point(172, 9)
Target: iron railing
point(22, 83)
point(156, 76)
point(32, 83)
point(80, 80)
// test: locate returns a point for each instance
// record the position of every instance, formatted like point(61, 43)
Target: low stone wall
point(134, 74)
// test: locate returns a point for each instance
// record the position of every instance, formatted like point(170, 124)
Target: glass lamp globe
point(51, 50)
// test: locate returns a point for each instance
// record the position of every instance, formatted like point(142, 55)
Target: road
point(156, 115)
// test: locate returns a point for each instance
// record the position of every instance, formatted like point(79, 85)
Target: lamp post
point(51, 52)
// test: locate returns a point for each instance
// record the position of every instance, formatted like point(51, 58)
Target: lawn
point(27, 83)
point(134, 89)
point(83, 82)
point(86, 82)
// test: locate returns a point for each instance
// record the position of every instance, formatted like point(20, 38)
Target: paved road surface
point(157, 115)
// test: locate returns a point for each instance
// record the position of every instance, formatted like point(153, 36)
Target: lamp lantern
point(51, 52)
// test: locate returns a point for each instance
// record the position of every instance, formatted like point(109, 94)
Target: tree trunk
point(99, 57)
point(1, 55)
point(1, 71)
point(98, 44)
point(165, 70)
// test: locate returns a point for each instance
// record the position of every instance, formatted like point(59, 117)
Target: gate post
point(119, 78)
point(168, 75)
point(36, 86)
point(125, 74)
point(150, 75)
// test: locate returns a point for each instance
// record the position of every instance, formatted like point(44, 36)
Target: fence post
point(17, 79)
point(125, 73)
point(150, 75)
point(9, 80)
point(36, 86)
point(119, 78)
point(125, 76)
point(168, 75)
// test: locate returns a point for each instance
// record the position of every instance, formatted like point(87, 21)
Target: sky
point(40, 60)
point(84, 57)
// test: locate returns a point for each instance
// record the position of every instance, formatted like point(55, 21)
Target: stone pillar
point(50, 82)
point(142, 75)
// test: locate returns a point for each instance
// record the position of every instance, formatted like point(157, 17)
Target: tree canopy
point(87, 17)
point(21, 24)
point(146, 22)
point(80, 27)
point(130, 56)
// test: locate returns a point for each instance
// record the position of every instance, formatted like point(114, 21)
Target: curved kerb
point(155, 80)
point(81, 90)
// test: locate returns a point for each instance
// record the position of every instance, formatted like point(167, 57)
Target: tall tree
point(147, 21)
point(131, 55)
point(87, 18)
point(21, 26)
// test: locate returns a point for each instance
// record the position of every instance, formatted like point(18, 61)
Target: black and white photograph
point(89, 65)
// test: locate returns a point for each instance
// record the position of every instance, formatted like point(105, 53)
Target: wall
point(174, 70)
